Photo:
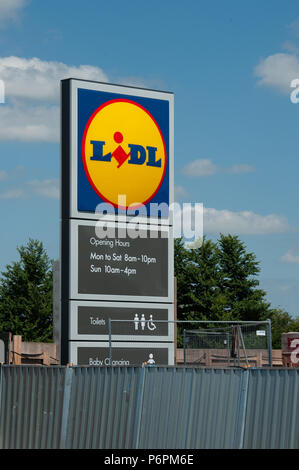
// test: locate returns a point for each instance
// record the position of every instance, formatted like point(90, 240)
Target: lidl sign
point(121, 147)
point(124, 152)
point(117, 153)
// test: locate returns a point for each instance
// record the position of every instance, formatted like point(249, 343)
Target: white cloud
point(290, 257)
point(29, 123)
point(290, 46)
point(285, 287)
point(277, 71)
point(215, 221)
point(236, 169)
point(12, 194)
point(180, 192)
point(243, 222)
point(47, 188)
point(9, 9)
point(205, 167)
point(293, 27)
point(200, 167)
point(39, 80)
point(3, 175)
point(32, 90)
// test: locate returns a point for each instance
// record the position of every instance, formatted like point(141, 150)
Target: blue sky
point(229, 65)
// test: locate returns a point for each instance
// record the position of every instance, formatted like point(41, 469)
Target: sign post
point(116, 225)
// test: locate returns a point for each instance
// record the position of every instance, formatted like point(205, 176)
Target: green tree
point(207, 300)
point(239, 282)
point(281, 322)
point(218, 281)
point(182, 272)
point(198, 280)
point(26, 294)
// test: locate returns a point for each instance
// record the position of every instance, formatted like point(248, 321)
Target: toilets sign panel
point(123, 354)
point(130, 321)
point(120, 143)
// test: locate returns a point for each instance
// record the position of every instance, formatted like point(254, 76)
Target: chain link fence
point(195, 343)
point(231, 344)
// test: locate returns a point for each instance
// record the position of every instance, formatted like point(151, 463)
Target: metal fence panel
point(30, 407)
point(102, 408)
point(190, 408)
point(272, 414)
point(148, 408)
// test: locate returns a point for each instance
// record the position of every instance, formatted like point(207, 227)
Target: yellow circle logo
point(124, 153)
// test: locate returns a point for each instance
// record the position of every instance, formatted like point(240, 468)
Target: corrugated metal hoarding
point(272, 412)
point(190, 408)
point(31, 405)
point(148, 408)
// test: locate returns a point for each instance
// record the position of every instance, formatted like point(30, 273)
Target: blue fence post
point(140, 394)
point(241, 410)
point(184, 336)
point(110, 340)
point(66, 407)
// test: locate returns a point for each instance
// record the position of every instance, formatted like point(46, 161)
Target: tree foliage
point(281, 322)
point(239, 283)
point(26, 294)
point(219, 281)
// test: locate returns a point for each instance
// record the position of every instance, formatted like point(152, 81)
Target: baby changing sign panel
point(117, 149)
point(122, 354)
